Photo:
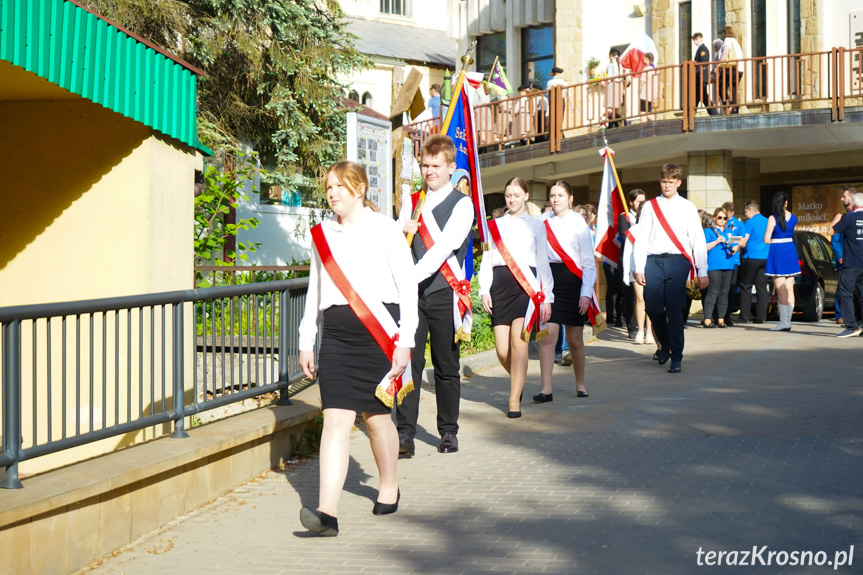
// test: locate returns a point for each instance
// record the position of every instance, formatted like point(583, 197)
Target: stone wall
point(569, 40)
point(663, 22)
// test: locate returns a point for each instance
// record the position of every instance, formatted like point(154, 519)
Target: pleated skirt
point(350, 362)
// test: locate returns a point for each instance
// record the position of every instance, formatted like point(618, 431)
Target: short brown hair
point(728, 207)
point(752, 205)
point(697, 35)
point(439, 144)
point(671, 172)
point(351, 175)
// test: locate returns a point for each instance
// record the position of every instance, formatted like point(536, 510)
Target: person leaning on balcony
point(715, 94)
point(614, 90)
point(434, 100)
point(362, 286)
point(702, 72)
point(730, 68)
point(648, 90)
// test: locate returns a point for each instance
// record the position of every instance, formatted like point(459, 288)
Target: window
point(685, 40)
point(368, 101)
point(537, 54)
point(354, 95)
point(718, 14)
point(396, 7)
point(795, 71)
point(488, 48)
point(759, 46)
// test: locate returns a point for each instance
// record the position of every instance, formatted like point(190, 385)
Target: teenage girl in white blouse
point(502, 296)
point(371, 251)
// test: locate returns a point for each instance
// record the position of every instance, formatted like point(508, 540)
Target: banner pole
point(466, 61)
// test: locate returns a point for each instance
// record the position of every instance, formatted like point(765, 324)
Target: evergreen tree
point(271, 74)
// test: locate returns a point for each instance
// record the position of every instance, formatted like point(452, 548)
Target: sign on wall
point(370, 145)
point(815, 206)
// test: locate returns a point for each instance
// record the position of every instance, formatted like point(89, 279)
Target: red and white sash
point(454, 274)
point(528, 282)
point(593, 313)
point(374, 317)
point(672, 236)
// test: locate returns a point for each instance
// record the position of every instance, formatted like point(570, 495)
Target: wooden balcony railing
point(818, 80)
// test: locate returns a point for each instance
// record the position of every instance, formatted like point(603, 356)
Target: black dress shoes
point(448, 443)
point(662, 356)
point(319, 522)
point(406, 445)
point(387, 508)
point(543, 398)
point(582, 393)
point(513, 414)
point(674, 367)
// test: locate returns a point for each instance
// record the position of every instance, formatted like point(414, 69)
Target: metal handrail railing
point(78, 372)
point(816, 80)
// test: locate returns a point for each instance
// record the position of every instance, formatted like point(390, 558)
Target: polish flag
point(633, 57)
point(610, 206)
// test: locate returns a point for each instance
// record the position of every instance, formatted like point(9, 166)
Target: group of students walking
point(377, 298)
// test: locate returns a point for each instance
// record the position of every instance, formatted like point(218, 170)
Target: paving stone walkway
point(759, 442)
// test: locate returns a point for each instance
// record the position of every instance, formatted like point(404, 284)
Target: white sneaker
point(639, 337)
point(649, 338)
point(567, 358)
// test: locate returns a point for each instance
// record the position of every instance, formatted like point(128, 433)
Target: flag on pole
point(497, 78)
point(461, 130)
point(610, 206)
point(633, 57)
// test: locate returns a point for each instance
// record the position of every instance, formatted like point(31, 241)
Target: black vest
point(441, 214)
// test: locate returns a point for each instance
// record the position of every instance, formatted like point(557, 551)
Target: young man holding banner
point(672, 249)
point(443, 230)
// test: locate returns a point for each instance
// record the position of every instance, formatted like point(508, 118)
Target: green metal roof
point(89, 56)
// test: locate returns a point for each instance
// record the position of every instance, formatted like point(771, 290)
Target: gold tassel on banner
point(542, 334)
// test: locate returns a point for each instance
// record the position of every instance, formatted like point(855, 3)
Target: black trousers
point(436, 323)
point(702, 91)
point(849, 284)
point(732, 287)
point(665, 299)
point(752, 273)
point(612, 310)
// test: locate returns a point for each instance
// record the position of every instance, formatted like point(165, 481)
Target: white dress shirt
point(574, 235)
point(526, 240)
point(682, 216)
point(457, 227)
point(373, 255)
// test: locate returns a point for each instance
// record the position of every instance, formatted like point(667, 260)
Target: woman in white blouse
point(572, 295)
point(373, 264)
point(504, 297)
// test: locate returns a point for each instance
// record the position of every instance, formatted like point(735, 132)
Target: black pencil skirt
point(350, 363)
point(567, 292)
point(509, 301)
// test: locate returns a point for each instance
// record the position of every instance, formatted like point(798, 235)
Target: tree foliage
point(272, 68)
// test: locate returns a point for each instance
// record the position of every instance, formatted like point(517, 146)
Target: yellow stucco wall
point(94, 205)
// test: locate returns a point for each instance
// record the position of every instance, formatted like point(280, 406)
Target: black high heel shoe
point(387, 508)
point(319, 522)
